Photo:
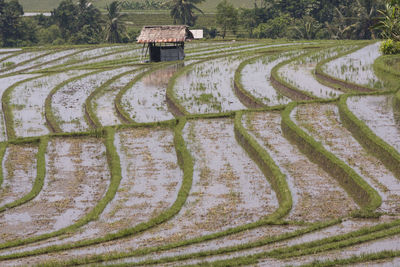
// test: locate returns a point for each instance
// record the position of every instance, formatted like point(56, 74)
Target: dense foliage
point(182, 11)
point(310, 19)
point(389, 24)
point(82, 23)
point(227, 17)
point(114, 27)
point(13, 30)
point(79, 24)
point(146, 5)
point(69, 23)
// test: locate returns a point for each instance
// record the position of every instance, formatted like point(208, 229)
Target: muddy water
point(4, 84)
point(222, 49)
point(44, 59)
point(4, 55)
point(300, 73)
point(134, 53)
point(385, 244)
point(228, 190)
point(256, 79)
point(208, 86)
point(346, 226)
point(146, 101)
point(342, 228)
point(150, 183)
point(19, 172)
point(377, 113)
point(198, 45)
point(2, 50)
point(380, 263)
point(76, 179)
point(87, 55)
point(323, 123)
point(316, 195)
point(151, 176)
point(253, 235)
point(357, 67)
point(17, 59)
point(27, 102)
point(68, 102)
point(191, 48)
point(242, 50)
point(103, 104)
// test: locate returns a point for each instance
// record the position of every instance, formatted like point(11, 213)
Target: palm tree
point(307, 27)
point(182, 11)
point(339, 28)
point(114, 26)
point(389, 23)
point(365, 12)
point(355, 21)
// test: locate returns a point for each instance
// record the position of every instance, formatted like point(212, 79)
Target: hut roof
point(164, 34)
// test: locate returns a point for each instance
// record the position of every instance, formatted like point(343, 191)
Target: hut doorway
point(165, 43)
point(167, 52)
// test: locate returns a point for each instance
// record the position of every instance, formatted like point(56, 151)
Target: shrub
point(58, 41)
point(389, 47)
point(49, 35)
point(210, 33)
point(275, 28)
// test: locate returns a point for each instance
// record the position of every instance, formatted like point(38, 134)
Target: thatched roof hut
point(165, 34)
point(166, 42)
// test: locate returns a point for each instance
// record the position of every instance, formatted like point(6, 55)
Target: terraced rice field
point(246, 153)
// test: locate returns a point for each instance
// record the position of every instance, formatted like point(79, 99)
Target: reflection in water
point(146, 100)
point(162, 76)
point(208, 86)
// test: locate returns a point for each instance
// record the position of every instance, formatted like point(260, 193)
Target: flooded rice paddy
point(379, 114)
point(357, 67)
point(81, 184)
point(300, 73)
point(208, 87)
point(323, 123)
point(256, 78)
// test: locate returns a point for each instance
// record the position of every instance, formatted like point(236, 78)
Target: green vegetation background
point(48, 5)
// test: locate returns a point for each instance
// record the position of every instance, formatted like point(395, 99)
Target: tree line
point(83, 23)
point(69, 23)
point(311, 19)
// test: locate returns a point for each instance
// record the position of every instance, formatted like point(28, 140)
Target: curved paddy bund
point(226, 165)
